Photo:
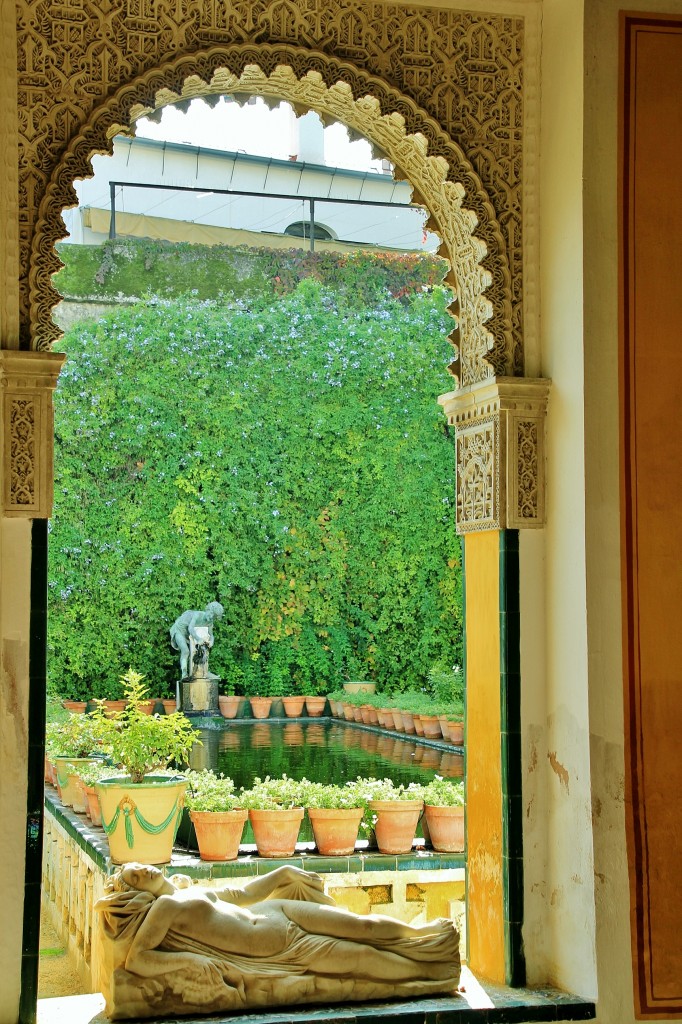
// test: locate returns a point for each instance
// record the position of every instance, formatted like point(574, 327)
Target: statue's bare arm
point(279, 883)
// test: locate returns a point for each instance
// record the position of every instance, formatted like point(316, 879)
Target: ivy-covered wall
point(281, 452)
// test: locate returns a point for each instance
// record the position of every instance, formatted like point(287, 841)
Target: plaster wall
point(558, 869)
point(603, 551)
point(15, 571)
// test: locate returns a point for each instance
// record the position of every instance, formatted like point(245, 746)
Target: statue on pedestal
point(192, 635)
point(278, 940)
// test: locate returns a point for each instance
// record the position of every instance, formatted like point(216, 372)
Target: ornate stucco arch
point(446, 184)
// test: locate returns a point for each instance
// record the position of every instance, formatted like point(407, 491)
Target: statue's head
point(215, 610)
point(141, 877)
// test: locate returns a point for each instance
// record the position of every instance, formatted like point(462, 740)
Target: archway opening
point(142, 467)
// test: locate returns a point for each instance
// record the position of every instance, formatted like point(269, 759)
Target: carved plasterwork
point(499, 432)
point(451, 80)
point(27, 381)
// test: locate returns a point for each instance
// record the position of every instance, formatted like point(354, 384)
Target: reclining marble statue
point(278, 940)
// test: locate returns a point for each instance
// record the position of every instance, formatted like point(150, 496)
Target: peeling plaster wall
point(558, 874)
point(615, 980)
point(15, 567)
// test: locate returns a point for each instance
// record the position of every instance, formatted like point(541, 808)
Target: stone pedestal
point(199, 696)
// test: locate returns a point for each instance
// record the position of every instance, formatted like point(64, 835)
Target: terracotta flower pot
point(431, 727)
point(315, 706)
point(94, 809)
point(75, 706)
point(397, 720)
point(446, 828)
point(418, 727)
point(335, 829)
point(348, 712)
point(293, 706)
point(111, 707)
point(260, 706)
point(408, 722)
point(276, 831)
point(365, 714)
point(386, 718)
point(456, 733)
point(229, 705)
point(170, 706)
point(357, 714)
point(396, 824)
point(219, 833)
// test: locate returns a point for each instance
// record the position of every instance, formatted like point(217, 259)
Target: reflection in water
point(328, 751)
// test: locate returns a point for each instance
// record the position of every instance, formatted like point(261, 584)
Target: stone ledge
point(478, 1004)
point(93, 840)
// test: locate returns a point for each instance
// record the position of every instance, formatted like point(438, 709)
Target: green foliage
point(269, 794)
point(76, 735)
point(139, 743)
point(287, 458)
point(210, 791)
point(134, 268)
point(444, 793)
point(331, 796)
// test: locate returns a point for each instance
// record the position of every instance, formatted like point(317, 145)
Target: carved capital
point(500, 442)
point(27, 381)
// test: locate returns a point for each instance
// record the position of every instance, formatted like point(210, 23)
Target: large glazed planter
point(69, 793)
point(141, 818)
point(219, 833)
point(361, 687)
point(276, 831)
point(335, 829)
point(446, 828)
point(396, 824)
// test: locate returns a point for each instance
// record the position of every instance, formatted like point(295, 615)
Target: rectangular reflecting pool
point(326, 750)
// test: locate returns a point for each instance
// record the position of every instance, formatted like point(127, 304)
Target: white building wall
point(173, 164)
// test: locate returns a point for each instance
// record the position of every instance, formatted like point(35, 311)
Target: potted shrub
point(71, 743)
point(395, 812)
point(140, 810)
point(216, 813)
point(444, 813)
point(335, 813)
point(87, 776)
point(276, 808)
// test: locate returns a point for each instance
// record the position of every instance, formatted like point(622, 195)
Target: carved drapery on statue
point(27, 383)
point(500, 445)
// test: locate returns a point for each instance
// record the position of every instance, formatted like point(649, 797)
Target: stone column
point(499, 438)
point(27, 382)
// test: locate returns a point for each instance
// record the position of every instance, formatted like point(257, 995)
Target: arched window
point(301, 229)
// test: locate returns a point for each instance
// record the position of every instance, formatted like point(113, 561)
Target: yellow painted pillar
point(485, 869)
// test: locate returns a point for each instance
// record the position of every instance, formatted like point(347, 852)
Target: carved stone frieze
point(500, 445)
point(27, 382)
point(454, 79)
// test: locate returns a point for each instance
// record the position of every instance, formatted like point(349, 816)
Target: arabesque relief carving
point(27, 381)
point(499, 432)
point(450, 79)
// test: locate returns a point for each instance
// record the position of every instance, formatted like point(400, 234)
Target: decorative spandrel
point(27, 381)
point(454, 78)
point(500, 444)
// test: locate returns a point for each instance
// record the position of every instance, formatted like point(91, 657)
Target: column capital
point(500, 444)
point(27, 382)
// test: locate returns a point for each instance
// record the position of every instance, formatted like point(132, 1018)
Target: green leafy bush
point(444, 793)
point(210, 791)
point(285, 457)
point(138, 743)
